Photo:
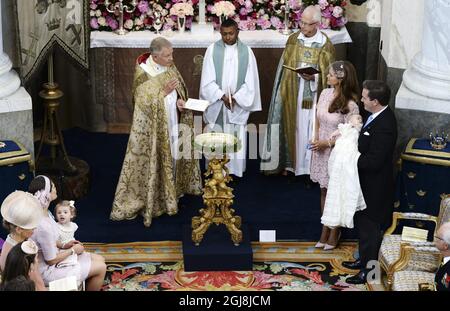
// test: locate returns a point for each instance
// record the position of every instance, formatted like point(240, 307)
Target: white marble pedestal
point(16, 119)
point(406, 99)
point(418, 115)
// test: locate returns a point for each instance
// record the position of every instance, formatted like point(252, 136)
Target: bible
point(196, 104)
point(303, 70)
point(66, 284)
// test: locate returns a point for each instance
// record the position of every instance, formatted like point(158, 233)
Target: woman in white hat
point(21, 213)
point(54, 263)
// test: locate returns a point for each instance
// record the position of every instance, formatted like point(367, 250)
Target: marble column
point(364, 28)
point(429, 72)
point(9, 80)
point(16, 114)
point(423, 100)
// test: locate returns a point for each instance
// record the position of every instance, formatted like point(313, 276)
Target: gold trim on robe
point(290, 85)
point(147, 185)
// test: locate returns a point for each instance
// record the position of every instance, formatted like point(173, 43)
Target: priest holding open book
point(230, 82)
point(159, 166)
point(300, 77)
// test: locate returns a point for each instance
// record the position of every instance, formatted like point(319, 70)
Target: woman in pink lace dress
point(336, 104)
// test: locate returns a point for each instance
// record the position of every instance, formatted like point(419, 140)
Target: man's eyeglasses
point(307, 24)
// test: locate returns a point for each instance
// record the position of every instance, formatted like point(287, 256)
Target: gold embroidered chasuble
point(294, 54)
point(147, 183)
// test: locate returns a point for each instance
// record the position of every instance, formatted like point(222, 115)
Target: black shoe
point(354, 265)
point(360, 278)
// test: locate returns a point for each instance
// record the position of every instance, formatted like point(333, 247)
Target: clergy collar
point(152, 68)
point(315, 38)
point(231, 46)
point(156, 66)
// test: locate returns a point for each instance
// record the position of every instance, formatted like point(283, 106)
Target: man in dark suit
point(442, 240)
point(375, 167)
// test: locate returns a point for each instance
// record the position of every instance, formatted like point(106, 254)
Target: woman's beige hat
point(22, 209)
point(29, 247)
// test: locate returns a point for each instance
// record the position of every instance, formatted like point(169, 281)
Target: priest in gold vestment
point(294, 96)
point(156, 172)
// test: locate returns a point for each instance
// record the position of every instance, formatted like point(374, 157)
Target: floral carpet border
point(170, 251)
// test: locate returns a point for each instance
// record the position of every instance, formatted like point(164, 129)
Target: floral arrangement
point(249, 14)
point(182, 9)
point(225, 8)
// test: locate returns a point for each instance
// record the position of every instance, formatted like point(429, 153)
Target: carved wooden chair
point(412, 281)
point(396, 255)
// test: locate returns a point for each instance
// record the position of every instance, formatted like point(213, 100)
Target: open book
point(66, 284)
point(196, 104)
point(303, 70)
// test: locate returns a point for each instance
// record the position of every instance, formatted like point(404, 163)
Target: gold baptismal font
point(217, 195)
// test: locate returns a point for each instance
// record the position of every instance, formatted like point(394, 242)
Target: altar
point(113, 61)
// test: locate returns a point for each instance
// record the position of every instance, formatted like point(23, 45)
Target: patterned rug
point(281, 266)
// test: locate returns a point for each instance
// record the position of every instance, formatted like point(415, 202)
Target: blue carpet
point(263, 202)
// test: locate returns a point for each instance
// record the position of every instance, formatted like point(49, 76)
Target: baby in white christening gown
point(344, 195)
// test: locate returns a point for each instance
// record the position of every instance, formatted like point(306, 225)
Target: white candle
point(201, 12)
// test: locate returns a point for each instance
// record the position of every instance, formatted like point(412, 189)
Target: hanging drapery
point(42, 25)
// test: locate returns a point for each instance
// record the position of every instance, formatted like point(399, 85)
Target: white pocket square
point(366, 133)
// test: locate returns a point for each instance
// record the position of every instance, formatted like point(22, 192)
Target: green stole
point(218, 59)
point(294, 53)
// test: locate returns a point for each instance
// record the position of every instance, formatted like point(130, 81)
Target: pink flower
point(325, 23)
point(323, 4)
point(276, 22)
point(111, 22)
point(94, 23)
point(243, 25)
point(143, 6)
point(328, 12)
point(263, 23)
point(243, 11)
point(93, 6)
point(294, 4)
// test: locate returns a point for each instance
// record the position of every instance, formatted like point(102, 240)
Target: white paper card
point(66, 284)
point(196, 104)
point(267, 235)
point(414, 234)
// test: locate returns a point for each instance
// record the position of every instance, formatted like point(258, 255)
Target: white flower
point(181, 9)
point(138, 22)
point(337, 11)
point(128, 24)
point(223, 8)
point(98, 13)
point(91, 13)
point(101, 21)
